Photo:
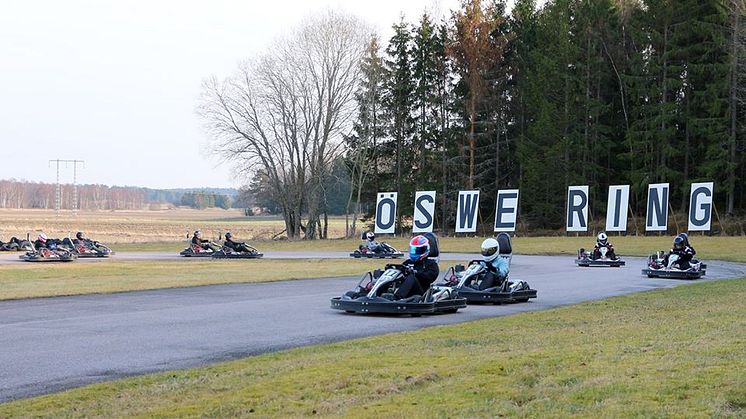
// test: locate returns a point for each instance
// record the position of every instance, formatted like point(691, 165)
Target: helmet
point(370, 236)
point(79, 235)
point(490, 250)
point(419, 248)
point(602, 238)
point(678, 242)
point(228, 235)
point(42, 238)
point(197, 233)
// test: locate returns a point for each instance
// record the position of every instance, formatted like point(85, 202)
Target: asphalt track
point(51, 344)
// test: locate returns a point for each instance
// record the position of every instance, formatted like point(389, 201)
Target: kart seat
point(506, 246)
point(434, 245)
point(362, 236)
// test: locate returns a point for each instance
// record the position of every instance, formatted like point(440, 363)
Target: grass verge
point(676, 353)
point(721, 248)
point(107, 276)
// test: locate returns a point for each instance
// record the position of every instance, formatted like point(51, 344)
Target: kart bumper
point(599, 263)
point(476, 296)
point(222, 255)
point(674, 274)
point(358, 255)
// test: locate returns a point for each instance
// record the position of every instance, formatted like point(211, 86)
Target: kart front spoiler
point(190, 254)
point(588, 262)
point(496, 297)
point(358, 255)
point(37, 258)
point(222, 255)
point(674, 274)
point(383, 306)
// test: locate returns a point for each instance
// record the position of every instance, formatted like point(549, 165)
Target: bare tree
point(285, 113)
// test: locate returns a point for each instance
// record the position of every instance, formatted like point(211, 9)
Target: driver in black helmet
point(234, 245)
point(683, 250)
point(203, 243)
point(82, 239)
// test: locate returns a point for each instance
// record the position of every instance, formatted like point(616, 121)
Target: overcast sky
point(115, 83)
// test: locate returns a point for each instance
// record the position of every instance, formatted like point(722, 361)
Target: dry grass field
point(144, 226)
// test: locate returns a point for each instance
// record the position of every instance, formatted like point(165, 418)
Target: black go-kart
point(228, 253)
point(467, 281)
point(49, 255)
point(586, 259)
point(375, 293)
point(86, 249)
point(662, 265)
point(388, 251)
point(16, 245)
point(195, 250)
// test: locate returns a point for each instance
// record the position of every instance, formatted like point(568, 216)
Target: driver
point(683, 250)
point(602, 240)
point(422, 271)
point(82, 239)
point(497, 267)
point(203, 243)
point(373, 245)
point(234, 245)
point(43, 242)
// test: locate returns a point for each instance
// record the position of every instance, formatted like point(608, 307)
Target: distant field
point(669, 353)
point(145, 226)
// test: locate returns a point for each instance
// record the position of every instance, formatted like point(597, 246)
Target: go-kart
point(375, 293)
point(195, 250)
point(16, 244)
point(658, 268)
point(467, 281)
point(49, 255)
point(86, 248)
point(586, 259)
point(363, 251)
point(228, 253)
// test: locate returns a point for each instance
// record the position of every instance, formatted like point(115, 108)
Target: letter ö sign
point(386, 213)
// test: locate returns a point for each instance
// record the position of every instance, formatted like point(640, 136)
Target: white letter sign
point(386, 213)
point(466, 213)
point(700, 206)
point(424, 212)
point(577, 208)
point(616, 208)
point(657, 216)
point(506, 210)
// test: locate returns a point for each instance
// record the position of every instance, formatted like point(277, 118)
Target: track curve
point(51, 344)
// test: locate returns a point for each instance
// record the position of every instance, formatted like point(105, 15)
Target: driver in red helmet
point(422, 271)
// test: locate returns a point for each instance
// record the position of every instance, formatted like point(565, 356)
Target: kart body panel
point(585, 259)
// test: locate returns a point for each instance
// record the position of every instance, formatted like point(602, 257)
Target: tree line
point(574, 92)
point(577, 92)
point(23, 194)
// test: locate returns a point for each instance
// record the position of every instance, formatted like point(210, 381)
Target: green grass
point(29, 280)
point(669, 353)
point(722, 248)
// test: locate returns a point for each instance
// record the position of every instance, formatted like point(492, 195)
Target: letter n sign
point(506, 210)
point(700, 206)
point(657, 216)
point(577, 208)
point(466, 215)
point(386, 213)
point(424, 212)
